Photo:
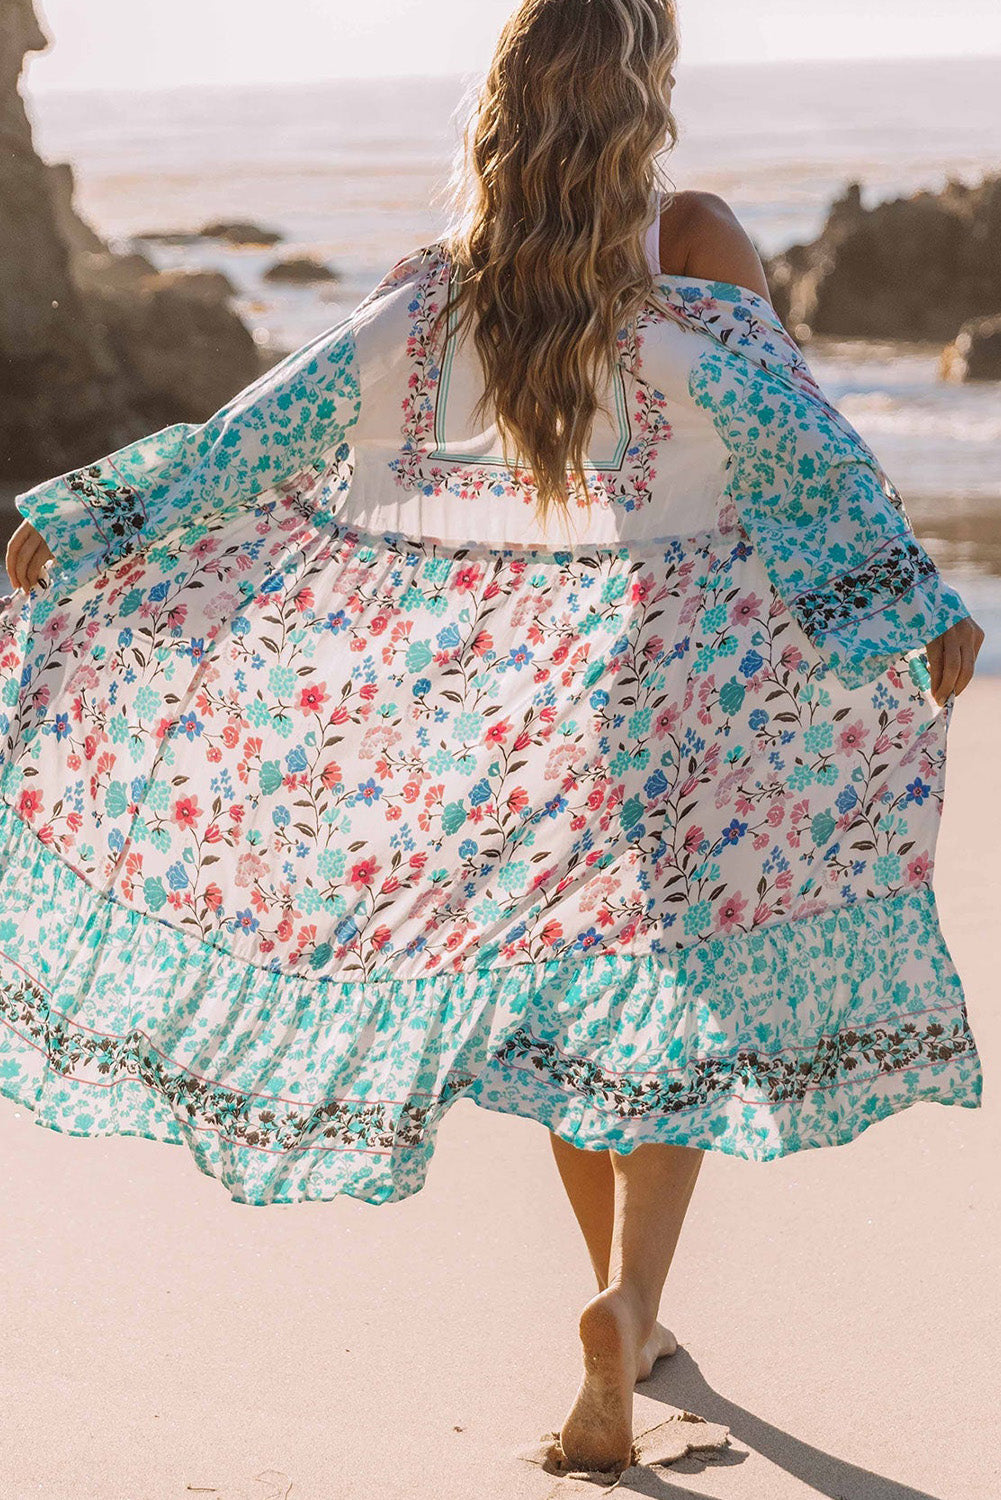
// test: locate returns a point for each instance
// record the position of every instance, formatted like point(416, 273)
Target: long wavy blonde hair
point(551, 195)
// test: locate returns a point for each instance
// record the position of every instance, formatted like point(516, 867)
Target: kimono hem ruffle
point(287, 1089)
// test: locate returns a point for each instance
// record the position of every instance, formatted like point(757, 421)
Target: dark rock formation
point(975, 353)
point(233, 232)
point(95, 349)
point(214, 286)
point(77, 236)
point(62, 398)
point(100, 270)
point(170, 236)
point(299, 270)
point(237, 232)
point(909, 268)
point(180, 343)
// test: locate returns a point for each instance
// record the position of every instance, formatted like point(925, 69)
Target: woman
point(517, 694)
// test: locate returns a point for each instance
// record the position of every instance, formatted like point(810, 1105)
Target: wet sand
point(838, 1310)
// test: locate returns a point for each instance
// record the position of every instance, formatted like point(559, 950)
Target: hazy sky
point(138, 43)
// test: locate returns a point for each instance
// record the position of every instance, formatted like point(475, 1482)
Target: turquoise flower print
point(822, 827)
point(116, 799)
point(270, 777)
point(731, 696)
point(419, 653)
point(819, 737)
point(886, 869)
point(453, 816)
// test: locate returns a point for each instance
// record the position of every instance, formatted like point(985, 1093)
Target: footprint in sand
point(680, 1435)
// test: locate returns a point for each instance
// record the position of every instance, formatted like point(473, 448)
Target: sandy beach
point(837, 1309)
point(188, 197)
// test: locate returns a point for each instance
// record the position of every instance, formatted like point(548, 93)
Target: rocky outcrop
point(909, 268)
point(239, 232)
point(975, 353)
point(95, 349)
point(299, 270)
point(76, 235)
point(180, 344)
point(61, 395)
point(230, 231)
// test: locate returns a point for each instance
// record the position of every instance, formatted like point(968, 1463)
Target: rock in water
point(909, 268)
point(239, 232)
point(975, 353)
point(170, 236)
point(299, 270)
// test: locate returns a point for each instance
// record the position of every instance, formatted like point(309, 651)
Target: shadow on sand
point(679, 1382)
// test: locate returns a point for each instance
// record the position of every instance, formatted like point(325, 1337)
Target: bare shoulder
point(716, 245)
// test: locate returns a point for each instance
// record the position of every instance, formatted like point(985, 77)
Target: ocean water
point(355, 174)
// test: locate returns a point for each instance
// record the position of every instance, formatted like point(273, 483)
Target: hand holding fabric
point(952, 657)
point(28, 555)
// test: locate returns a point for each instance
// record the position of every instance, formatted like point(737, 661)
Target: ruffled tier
point(287, 1088)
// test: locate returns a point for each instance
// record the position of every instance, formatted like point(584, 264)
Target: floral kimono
point(333, 790)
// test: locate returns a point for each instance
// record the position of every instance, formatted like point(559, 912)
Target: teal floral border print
point(800, 1034)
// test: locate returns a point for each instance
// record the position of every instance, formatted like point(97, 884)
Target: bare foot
point(598, 1432)
point(660, 1343)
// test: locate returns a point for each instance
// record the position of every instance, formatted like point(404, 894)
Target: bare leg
point(589, 1179)
point(653, 1186)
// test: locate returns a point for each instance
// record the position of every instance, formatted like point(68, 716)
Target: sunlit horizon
point(44, 87)
point(117, 45)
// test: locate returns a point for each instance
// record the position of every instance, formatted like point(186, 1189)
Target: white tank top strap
point(653, 238)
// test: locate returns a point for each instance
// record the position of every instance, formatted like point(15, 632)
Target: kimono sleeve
point(296, 415)
point(830, 527)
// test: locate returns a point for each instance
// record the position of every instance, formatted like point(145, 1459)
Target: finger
point(41, 556)
point(36, 571)
point(934, 649)
point(951, 660)
point(11, 561)
point(27, 545)
point(967, 658)
point(28, 560)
